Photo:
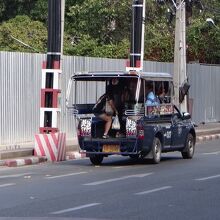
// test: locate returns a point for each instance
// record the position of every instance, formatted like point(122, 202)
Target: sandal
point(105, 136)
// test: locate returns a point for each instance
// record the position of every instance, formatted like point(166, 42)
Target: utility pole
point(62, 24)
point(179, 76)
point(51, 142)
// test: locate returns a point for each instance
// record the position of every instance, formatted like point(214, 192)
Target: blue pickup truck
point(147, 130)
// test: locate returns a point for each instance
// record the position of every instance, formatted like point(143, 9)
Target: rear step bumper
point(124, 146)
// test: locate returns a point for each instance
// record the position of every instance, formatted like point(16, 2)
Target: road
point(119, 189)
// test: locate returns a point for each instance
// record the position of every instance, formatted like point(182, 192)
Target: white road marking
point(120, 167)
point(7, 184)
point(15, 175)
point(153, 190)
point(116, 179)
point(64, 175)
point(212, 153)
point(208, 178)
point(75, 208)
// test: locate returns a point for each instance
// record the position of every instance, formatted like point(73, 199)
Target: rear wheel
point(96, 159)
point(156, 151)
point(189, 149)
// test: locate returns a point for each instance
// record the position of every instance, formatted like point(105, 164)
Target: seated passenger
point(151, 99)
point(100, 111)
point(161, 95)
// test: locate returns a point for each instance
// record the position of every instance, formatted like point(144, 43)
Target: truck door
point(178, 129)
point(167, 134)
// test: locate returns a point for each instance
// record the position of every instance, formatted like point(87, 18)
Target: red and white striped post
point(50, 108)
point(50, 142)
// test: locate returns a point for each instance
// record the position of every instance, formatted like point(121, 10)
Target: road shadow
point(121, 161)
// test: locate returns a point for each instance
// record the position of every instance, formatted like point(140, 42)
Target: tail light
point(131, 127)
point(84, 128)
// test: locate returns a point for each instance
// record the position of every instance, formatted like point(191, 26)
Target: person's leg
point(108, 123)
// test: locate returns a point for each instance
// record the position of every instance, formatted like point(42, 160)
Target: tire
point(189, 148)
point(96, 159)
point(156, 151)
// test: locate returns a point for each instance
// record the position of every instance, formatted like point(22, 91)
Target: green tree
point(98, 28)
point(33, 33)
point(11, 8)
point(102, 20)
point(90, 47)
point(203, 42)
point(159, 34)
point(39, 11)
point(102, 28)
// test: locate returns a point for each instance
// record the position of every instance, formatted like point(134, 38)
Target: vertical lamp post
point(137, 36)
point(53, 62)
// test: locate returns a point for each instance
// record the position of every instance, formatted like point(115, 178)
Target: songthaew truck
point(146, 129)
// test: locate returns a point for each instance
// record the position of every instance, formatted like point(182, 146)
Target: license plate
point(110, 148)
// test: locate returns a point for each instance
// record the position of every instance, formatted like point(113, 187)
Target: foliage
point(203, 42)
point(100, 19)
point(159, 35)
point(11, 8)
point(101, 28)
point(32, 33)
point(90, 47)
point(98, 28)
point(159, 44)
point(39, 11)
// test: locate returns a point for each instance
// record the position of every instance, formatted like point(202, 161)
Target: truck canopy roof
point(105, 75)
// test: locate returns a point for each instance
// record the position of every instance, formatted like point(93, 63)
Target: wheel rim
point(190, 146)
point(157, 151)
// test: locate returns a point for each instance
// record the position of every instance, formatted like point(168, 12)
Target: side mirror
point(186, 115)
point(183, 91)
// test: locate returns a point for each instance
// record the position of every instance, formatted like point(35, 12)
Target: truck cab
point(147, 129)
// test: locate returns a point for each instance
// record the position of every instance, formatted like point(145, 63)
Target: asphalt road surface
point(118, 189)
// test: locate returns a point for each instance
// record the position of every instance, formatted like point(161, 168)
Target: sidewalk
point(23, 154)
point(207, 131)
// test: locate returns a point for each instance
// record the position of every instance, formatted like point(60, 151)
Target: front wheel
point(156, 151)
point(189, 149)
point(96, 159)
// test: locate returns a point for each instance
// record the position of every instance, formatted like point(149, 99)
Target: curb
point(71, 155)
point(208, 137)
point(23, 161)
